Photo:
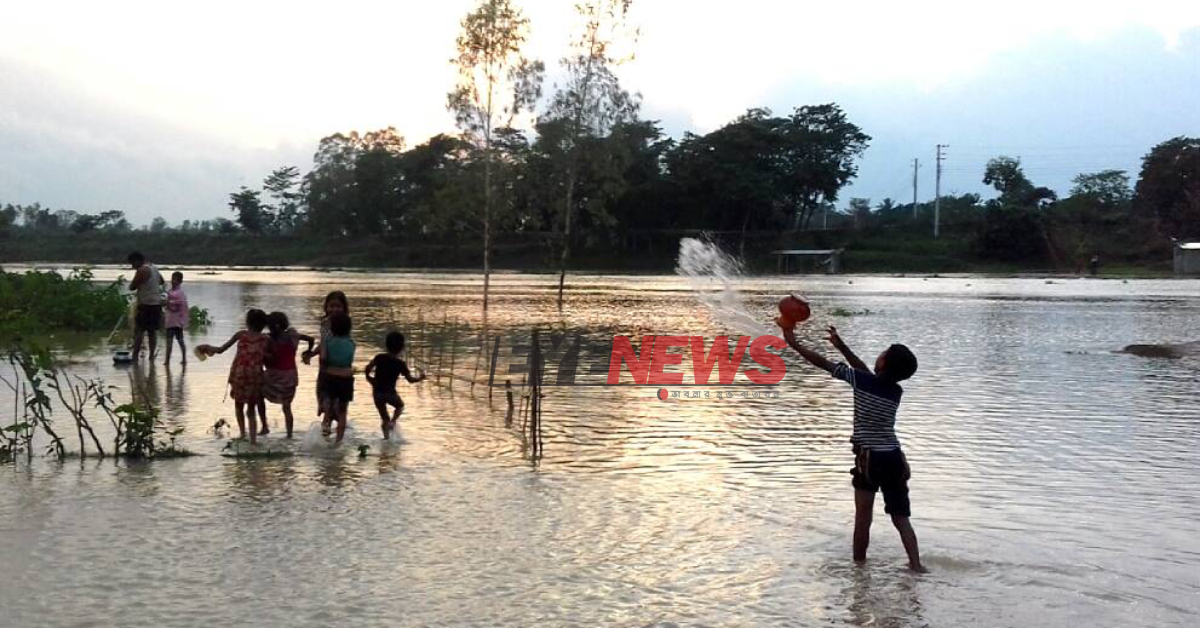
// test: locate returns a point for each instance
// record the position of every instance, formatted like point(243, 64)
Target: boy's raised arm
point(814, 358)
point(840, 345)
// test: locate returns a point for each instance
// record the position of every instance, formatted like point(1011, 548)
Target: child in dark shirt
point(382, 373)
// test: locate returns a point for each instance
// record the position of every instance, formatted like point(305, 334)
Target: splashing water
point(713, 274)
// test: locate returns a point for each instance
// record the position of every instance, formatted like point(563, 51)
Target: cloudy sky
point(163, 108)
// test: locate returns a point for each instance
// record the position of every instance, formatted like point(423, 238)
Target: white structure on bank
point(1187, 258)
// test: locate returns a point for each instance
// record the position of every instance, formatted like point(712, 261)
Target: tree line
point(580, 168)
point(1105, 213)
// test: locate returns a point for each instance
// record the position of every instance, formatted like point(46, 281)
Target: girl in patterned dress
point(246, 372)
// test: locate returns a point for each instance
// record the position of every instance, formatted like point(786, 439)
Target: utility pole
point(937, 191)
point(916, 166)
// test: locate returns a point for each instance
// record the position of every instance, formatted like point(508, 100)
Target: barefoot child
point(281, 378)
point(382, 373)
point(337, 360)
point(335, 303)
point(246, 372)
point(177, 317)
point(879, 463)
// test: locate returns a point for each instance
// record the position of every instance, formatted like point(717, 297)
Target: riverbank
point(864, 252)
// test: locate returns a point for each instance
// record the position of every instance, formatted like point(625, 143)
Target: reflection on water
point(1054, 480)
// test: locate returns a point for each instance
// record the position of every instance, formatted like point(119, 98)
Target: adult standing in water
point(147, 286)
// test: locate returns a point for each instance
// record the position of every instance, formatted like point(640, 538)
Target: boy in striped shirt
point(879, 463)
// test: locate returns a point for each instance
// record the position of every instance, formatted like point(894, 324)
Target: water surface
point(1055, 482)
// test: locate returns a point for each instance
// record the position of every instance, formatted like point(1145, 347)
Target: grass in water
point(844, 313)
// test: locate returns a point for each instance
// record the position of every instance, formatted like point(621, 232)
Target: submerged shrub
point(46, 301)
point(198, 318)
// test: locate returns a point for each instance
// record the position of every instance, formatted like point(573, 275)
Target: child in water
point(879, 464)
point(337, 364)
point(382, 373)
point(246, 372)
point(335, 303)
point(177, 317)
point(281, 377)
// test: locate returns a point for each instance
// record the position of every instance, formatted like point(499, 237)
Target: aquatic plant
point(36, 302)
point(198, 318)
point(140, 432)
point(838, 311)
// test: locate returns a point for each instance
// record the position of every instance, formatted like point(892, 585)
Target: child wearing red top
point(281, 377)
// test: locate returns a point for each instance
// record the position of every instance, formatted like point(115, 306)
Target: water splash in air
point(714, 274)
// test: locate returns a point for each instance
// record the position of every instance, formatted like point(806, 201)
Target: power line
point(937, 199)
point(916, 167)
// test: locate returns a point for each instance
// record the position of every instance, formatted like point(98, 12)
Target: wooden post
point(535, 400)
point(478, 357)
point(453, 348)
point(441, 351)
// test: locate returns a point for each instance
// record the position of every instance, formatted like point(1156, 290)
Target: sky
point(164, 108)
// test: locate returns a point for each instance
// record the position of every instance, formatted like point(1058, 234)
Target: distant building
point(1187, 258)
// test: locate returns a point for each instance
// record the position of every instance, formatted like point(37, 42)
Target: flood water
point(1055, 482)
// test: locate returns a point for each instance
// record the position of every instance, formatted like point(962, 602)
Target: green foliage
point(41, 301)
point(766, 172)
point(1005, 174)
point(496, 82)
point(252, 214)
point(844, 313)
point(1109, 188)
point(1169, 187)
point(112, 221)
point(141, 428)
point(282, 186)
point(198, 318)
point(140, 433)
point(1011, 235)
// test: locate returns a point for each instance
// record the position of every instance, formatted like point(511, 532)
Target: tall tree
point(1169, 187)
point(251, 214)
point(1107, 187)
point(282, 186)
point(8, 218)
point(591, 100)
point(328, 188)
point(1006, 175)
point(496, 83)
point(766, 172)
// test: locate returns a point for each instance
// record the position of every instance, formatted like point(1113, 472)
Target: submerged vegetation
point(198, 318)
point(38, 302)
point(33, 306)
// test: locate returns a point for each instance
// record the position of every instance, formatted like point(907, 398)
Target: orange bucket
point(792, 310)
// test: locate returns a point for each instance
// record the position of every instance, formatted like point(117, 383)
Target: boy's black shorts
point(387, 397)
point(885, 471)
point(337, 388)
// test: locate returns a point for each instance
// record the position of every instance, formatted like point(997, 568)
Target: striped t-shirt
point(875, 405)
